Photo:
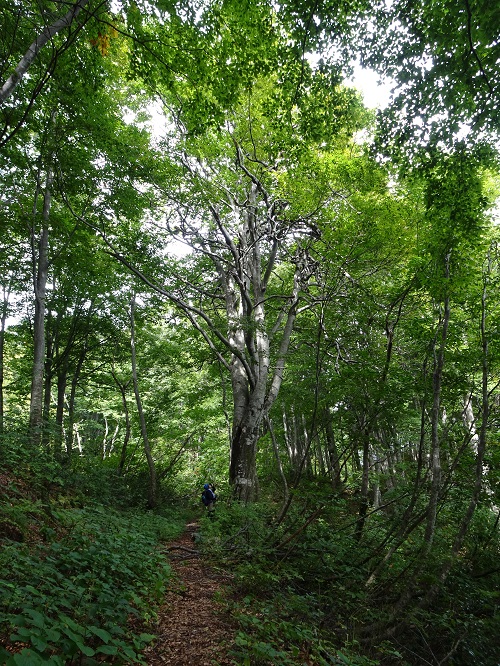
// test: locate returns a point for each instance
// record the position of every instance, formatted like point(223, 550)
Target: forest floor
point(193, 627)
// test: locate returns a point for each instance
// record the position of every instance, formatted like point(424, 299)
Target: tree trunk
point(480, 453)
point(40, 273)
point(286, 492)
point(249, 337)
point(47, 393)
point(480, 443)
point(242, 466)
point(71, 404)
point(435, 445)
point(122, 388)
point(3, 321)
point(242, 244)
point(153, 491)
point(470, 423)
point(333, 455)
point(45, 36)
point(365, 484)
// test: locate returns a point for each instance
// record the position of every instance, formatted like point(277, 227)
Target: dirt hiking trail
point(193, 628)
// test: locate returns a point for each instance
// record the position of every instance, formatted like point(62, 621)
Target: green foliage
point(376, 260)
point(303, 597)
point(95, 570)
point(34, 466)
point(266, 641)
point(442, 58)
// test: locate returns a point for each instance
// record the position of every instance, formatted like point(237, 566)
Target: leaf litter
point(193, 625)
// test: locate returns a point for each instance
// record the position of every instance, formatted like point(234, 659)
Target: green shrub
point(73, 597)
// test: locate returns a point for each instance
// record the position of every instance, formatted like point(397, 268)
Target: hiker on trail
point(208, 497)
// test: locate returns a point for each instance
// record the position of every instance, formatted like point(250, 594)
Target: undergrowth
point(78, 584)
point(301, 598)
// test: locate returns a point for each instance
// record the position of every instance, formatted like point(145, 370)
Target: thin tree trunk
point(165, 472)
point(153, 490)
point(286, 492)
point(40, 273)
point(435, 445)
point(333, 456)
point(406, 525)
point(62, 376)
point(481, 441)
point(479, 472)
point(105, 439)
point(122, 388)
point(71, 404)
point(3, 322)
point(288, 440)
point(47, 393)
point(365, 484)
point(45, 36)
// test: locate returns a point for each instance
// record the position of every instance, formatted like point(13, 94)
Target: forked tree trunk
point(254, 386)
point(243, 247)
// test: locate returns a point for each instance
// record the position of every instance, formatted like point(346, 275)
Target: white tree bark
point(46, 35)
point(40, 273)
point(243, 241)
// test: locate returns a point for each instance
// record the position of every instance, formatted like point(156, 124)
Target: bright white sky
point(366, 81)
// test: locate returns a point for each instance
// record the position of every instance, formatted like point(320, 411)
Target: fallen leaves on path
point(193, 628)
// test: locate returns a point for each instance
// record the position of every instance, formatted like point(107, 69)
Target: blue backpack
point(207, 496)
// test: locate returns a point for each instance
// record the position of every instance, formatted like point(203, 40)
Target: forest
point(219, 265)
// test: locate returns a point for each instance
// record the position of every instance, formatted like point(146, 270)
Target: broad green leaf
point(102, 633)
point(107, 649)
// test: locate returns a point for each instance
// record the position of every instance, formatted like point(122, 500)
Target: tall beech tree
point(247, 205)
point(40, 240)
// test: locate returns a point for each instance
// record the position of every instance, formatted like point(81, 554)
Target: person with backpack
point(208, 497)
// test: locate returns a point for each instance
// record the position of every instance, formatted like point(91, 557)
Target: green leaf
point(37, 618)
point(22, 634)
point(107, 649)
point(76, 638)
point(88, 651)
point(38, 643)
point(26, 658)
point(52, 635)
point(102, 633)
